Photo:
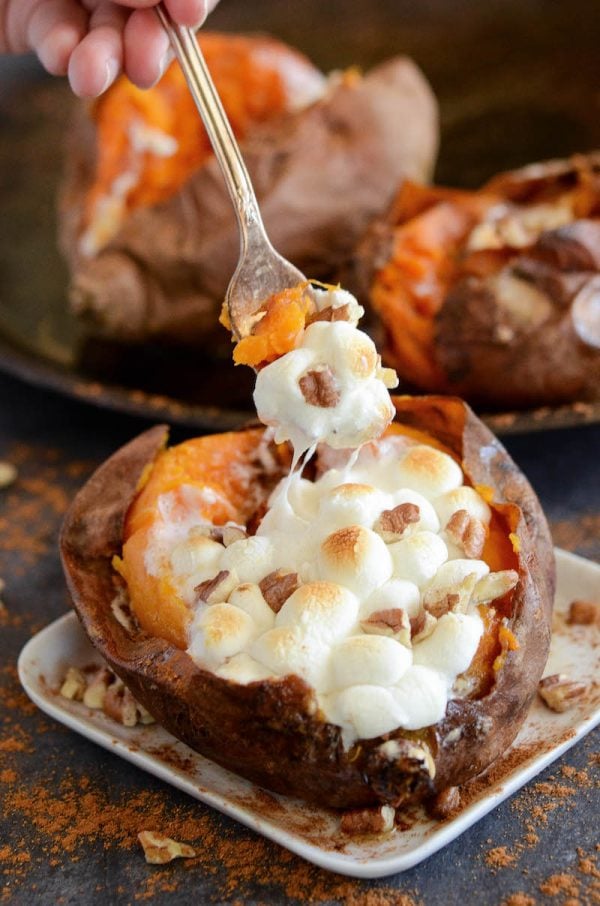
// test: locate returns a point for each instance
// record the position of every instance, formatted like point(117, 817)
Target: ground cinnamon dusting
point(500, 857)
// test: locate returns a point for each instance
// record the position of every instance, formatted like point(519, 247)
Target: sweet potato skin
point(320, 176)
point(537, 343)
point(270, 732)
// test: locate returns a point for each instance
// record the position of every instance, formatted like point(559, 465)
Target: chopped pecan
point(216, 589)
point(445, 803)
point(392, 524)
point(277, 587)
point(120, 704)
point(467, 532)
point(225, 534)
point(341, 313)
point(393, 622)
point(560, 693)
point(74, 685)
point(319, 388)
point(158, 849)
point(584, 613)
point(495, 585)
point(406, 750)
point(98, 684)
point(439, 606)
point(422, 626)
point(359, 822)
point(574, 247)
point(231, 534)
point(122, 612)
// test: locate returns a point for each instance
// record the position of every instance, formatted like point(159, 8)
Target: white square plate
point(306, 830)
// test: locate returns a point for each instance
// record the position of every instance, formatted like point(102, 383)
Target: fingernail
point(112, 71)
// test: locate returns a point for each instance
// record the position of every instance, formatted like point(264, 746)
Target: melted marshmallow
point(325, 531)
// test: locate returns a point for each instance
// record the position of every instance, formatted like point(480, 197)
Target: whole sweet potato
point(271, 731)
point(494, 294)
point(322, 169)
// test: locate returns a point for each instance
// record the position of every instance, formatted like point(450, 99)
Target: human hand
point(93, 41)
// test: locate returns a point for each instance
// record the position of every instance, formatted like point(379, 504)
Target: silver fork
point(261, 271)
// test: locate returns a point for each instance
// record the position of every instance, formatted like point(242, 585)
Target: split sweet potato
point(271, 731)
point(493, 295)
point(150, 235)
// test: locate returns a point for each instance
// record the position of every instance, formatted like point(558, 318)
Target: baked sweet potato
point(151, 238)
point(271, 731)
point(493, 295)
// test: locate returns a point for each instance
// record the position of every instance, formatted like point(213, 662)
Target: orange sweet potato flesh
point(249, 76)
point(500, 323)
point(271, 732)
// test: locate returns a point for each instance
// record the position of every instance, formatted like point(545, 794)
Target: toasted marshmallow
point(429, 471)
point(418, 557)
point(251, 558)
point(199, 555)
point(218, 632)
point(368, 659)
point(395, 593)
point(363, 711)
point(243, 669)
point(428, 519)
point(422, 696)
point(286, 649)
point(321, 610)
point(351, 504)
point(463, 498)
point(355, 557)
point(249, 598)
point(451, 646)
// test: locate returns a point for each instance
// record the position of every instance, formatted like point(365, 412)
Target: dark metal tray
point(516, 81)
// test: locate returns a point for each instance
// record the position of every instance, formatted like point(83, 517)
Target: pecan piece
point(216, 589)
point(422, 626)
point(574, 247)
point(158, 849)
point(445, 803)
point(439, 606)
point(74, 684)
point(341, 313)
point(393, 622)
point(495, 585)
point(392, 524)
point(120, 704)
point(359, 822)
point(560, 693)
point(277, 587)
point(319, 388)
point(93, 697)
point(467, 532)
point(584, 613)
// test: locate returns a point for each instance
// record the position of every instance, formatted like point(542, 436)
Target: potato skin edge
point(270, 732)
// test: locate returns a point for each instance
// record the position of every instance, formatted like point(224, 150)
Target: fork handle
point(217, 125)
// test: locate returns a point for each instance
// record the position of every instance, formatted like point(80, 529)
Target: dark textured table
point(70, 812)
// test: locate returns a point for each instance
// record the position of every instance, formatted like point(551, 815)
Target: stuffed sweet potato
point(493, 295)
point(145, 220)
point(187, 664)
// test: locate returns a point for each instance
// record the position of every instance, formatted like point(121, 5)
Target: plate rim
point(346, 864)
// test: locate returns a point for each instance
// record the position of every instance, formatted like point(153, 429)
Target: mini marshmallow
point(451, 646)
point(418, 557)
point(321, 610)
point(375, 660)
point(199, 555)
point(429, 471)
point(351, 504)
point(251, 558)
point(243, 669)
point(338, 298)
point(218, 632)
point(350, 352)
point(363, 711)
point(395, 593)
point(357, 558)
point(286, 649)
point(428, 519)
point(463, 498)
point(422, 696)
point(249, 598)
